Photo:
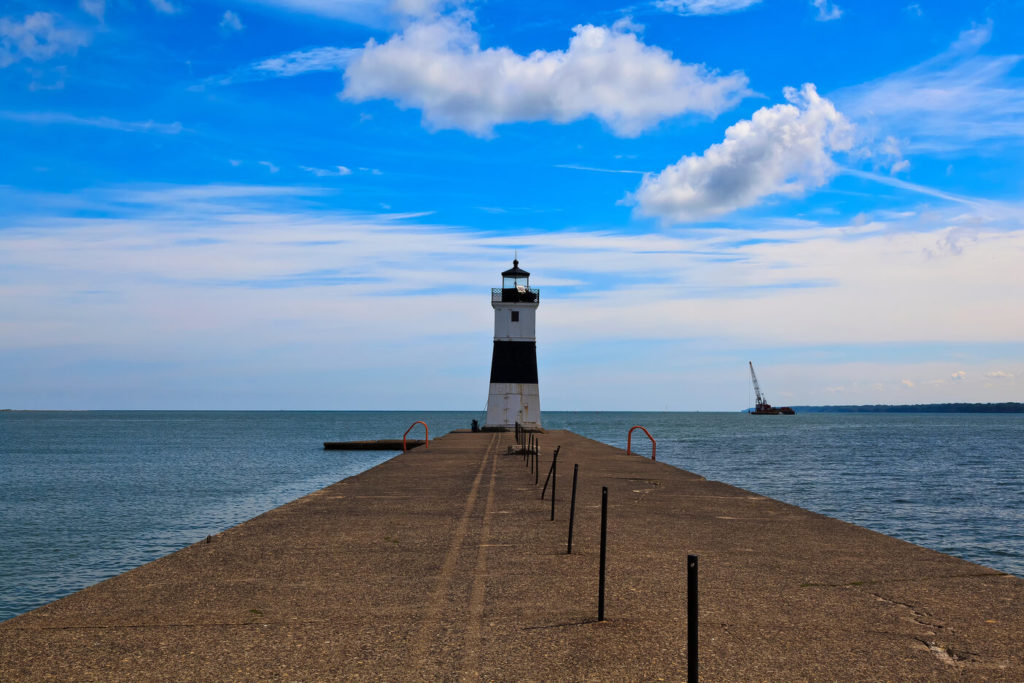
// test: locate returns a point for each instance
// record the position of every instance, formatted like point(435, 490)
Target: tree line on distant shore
point(918, 408)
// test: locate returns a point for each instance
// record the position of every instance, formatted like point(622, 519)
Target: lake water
point(88, 495)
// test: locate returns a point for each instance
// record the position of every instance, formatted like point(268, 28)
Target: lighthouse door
point(512, 409)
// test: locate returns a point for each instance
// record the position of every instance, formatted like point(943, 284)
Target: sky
point(303, 204)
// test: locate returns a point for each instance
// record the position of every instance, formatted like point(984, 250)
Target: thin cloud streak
point(289, 65)
point(61, 118)
point(704, 7)
point(375, 13)
point(577, 167)
point(305, 61)
point(914, 187)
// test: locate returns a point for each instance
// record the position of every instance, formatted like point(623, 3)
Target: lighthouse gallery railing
point(524, 295)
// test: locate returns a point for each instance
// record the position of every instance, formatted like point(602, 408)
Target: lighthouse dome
point(515, 271)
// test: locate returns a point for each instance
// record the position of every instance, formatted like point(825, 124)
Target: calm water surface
point(953, 482)
point(87, 495)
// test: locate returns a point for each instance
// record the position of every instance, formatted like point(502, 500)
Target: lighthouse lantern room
point(514, 395)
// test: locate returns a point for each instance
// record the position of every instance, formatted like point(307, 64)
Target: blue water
point(87, 495)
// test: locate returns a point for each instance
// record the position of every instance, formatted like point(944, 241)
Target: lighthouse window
point(515, 316)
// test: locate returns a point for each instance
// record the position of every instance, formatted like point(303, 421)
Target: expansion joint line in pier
point(435, 603)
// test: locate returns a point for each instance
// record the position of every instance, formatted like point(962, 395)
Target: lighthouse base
point(508, 404)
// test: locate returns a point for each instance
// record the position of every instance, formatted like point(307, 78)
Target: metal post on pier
point(554, 478)
point(692, 675)
point(604, 543)
point(572, 506)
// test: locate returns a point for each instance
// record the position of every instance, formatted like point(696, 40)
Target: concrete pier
point(444, 564)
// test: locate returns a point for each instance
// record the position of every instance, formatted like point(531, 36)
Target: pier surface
point(443, 564)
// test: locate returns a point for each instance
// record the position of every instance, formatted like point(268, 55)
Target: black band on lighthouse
point(514, 362)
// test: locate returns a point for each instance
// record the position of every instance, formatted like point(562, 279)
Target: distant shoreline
point(918, 408)
point(877, 408)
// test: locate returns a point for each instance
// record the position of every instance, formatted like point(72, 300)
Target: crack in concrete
point(947, 655)
point(918, 615)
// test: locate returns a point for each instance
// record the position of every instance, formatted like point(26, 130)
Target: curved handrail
point(425, 428)
point(629, 442)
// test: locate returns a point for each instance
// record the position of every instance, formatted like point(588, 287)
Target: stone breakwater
point(444, 564)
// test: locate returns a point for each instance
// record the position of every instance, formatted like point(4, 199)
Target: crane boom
point(757, 389)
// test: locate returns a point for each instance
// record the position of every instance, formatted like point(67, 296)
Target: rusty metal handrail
point(425, 429)
point(629, 442)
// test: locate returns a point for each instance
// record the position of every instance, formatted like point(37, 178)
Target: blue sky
point(302, 204)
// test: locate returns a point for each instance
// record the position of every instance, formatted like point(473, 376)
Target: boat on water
point(762, 407)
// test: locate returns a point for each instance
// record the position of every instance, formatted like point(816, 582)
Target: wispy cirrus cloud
point(296, 63)
point(38, 37)
point(827, 10)
point(919, 189)
point(230, 21)
point(95, 8)
point(217, 280)
point(577, 167)
point(953, 102)
point(375, 13)
point(62, 118)
point(164, 6)
point(336, 172)
point(703, 7)
point(305, 61)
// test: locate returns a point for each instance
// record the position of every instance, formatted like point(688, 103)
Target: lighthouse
point(514, 395)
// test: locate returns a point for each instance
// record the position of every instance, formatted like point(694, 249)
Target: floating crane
point(763, 407)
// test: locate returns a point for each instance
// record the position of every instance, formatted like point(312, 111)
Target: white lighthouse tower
point(514, 395)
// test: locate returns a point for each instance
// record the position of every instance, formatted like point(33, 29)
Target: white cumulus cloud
point(704, 6)
point(38, 38)
point(438, 66)
point(781, 150)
